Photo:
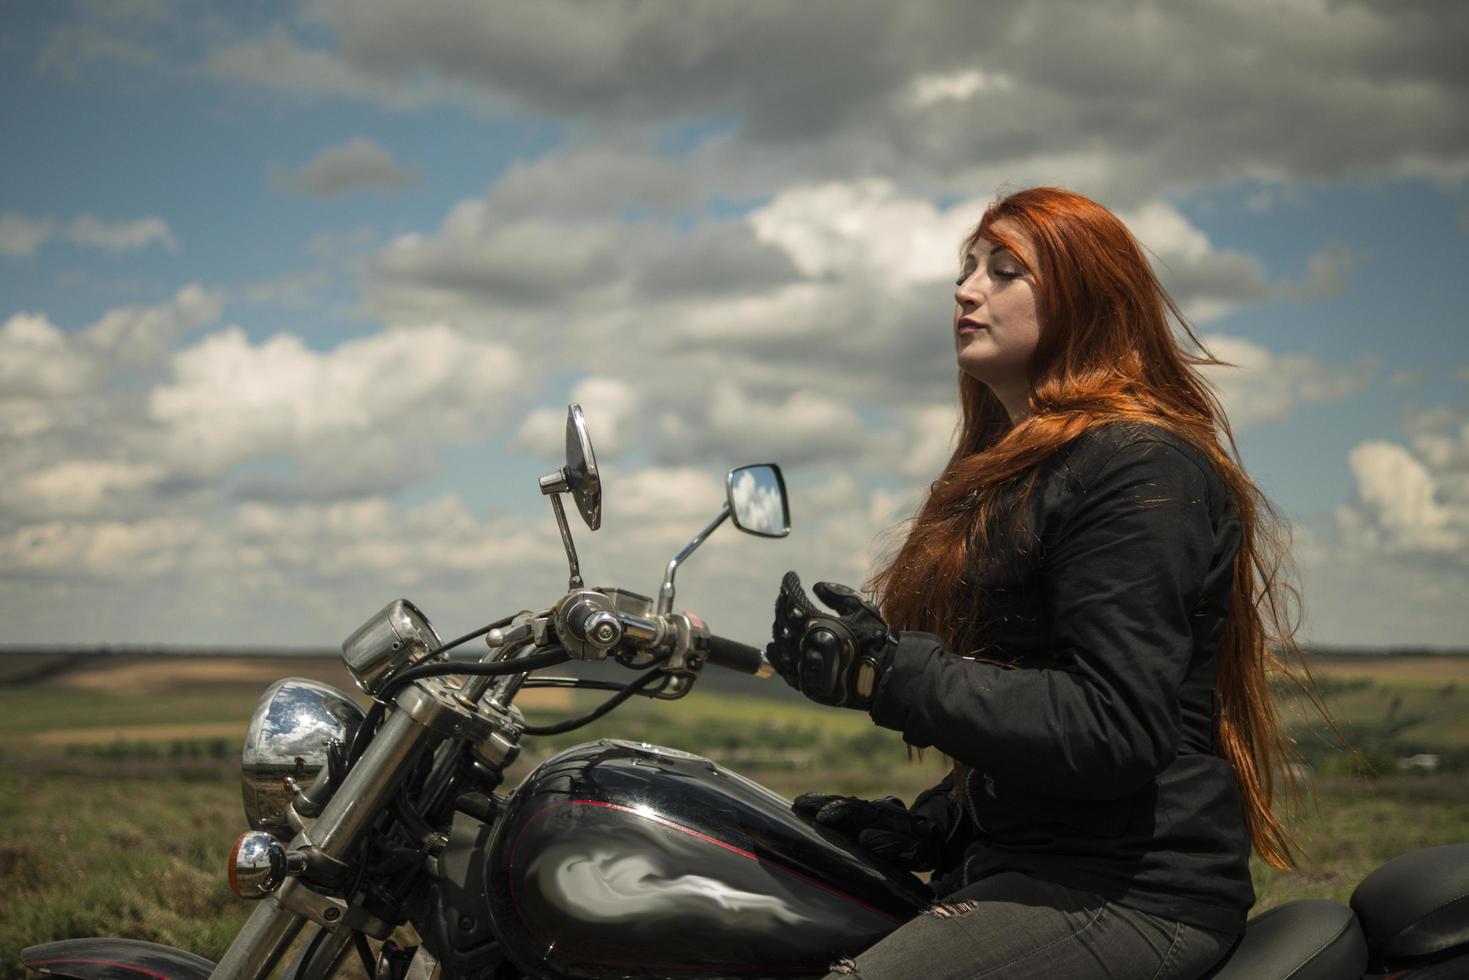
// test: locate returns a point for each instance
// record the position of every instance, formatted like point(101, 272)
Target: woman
point(1081, 618)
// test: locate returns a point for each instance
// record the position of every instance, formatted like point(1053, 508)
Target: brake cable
point(625, 692)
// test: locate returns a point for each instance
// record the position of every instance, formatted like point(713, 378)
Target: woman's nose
point(968, 293)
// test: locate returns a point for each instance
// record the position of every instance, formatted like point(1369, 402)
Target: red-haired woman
point(1081, 618)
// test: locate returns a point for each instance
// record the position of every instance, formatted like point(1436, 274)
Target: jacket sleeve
point(1123, 572)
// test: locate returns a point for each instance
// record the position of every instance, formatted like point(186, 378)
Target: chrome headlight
point(397, 637)
point(288, 736)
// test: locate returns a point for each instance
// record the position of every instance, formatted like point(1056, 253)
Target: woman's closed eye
point(1003, 274)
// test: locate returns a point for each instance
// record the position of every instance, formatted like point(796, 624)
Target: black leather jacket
point(1089, 755)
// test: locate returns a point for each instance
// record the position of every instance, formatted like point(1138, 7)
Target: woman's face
point(996, 325)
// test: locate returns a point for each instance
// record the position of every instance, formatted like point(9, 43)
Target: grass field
point(119, 786)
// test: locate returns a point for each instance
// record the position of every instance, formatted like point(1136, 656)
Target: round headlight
point(397, 637)
point(288, 736)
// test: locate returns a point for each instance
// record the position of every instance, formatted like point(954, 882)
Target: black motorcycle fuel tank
point(622, 859)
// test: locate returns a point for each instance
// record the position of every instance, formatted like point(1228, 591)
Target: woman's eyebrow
point(978, 251)
point(973, 256)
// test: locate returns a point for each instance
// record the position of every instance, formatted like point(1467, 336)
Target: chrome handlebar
point(590, 625)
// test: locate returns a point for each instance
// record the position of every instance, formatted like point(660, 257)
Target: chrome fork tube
point(369, 784)
point(331, 952)
point(266, 936)
point(356, 803)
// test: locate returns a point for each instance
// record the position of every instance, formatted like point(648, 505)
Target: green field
point(119, 799)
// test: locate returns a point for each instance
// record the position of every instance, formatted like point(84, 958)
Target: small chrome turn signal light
point(258, 865)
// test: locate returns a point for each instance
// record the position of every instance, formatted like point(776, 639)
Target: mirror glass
point(757, 500)
point(581, 469)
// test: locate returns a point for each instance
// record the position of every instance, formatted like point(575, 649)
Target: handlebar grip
point(738, 656)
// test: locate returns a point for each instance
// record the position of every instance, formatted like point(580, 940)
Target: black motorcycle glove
point(834, 659)
point(890, 831)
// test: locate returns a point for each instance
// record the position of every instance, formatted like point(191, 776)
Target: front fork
point(363, 794)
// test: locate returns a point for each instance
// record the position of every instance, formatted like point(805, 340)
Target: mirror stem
point(665, 591)
point(576, 582)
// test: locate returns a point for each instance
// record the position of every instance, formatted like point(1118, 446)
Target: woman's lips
point(969, 326)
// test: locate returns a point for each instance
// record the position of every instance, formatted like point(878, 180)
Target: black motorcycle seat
point(1416, 904)
point(1310, 939)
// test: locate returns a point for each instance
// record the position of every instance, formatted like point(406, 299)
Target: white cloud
point(298, 290)
point(356, 165)
point(38, 359)
point(1208, 282)
point(957, 86)
point(120, 236)
point(75, 443)
point(94, 427)
point(328, 245)
point(866, 299)
point(119, 550)
point(372, 537)
point(1402, 376)
point(608, 404)
point(21, 236)
point(367, 411)
point(1268, 387)
point(684, 497)
point(1401, 537)
point(279, 62)
point(495, 263)
point(846, 93)
point(1164, 230)
point(1396, 505)
point(73, 47)
point(143, 334)
point(931, 440)
point(1326, 274)
point(277, 549)
point(599, 179)
point(865, 228)
point(732, 424)
point(1440, 437)
point(1408, 514)
point(52, 378)
point(864, 309)
point(80, 487)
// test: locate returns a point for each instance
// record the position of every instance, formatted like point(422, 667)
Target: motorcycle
point(613, 858)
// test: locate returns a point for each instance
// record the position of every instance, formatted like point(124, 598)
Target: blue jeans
point(1012, 925)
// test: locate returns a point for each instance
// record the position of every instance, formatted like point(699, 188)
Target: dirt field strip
point(1441, 670)
point(178, 675)
point(106, 734)
point(174, 673)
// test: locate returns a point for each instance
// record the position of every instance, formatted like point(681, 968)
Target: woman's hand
point(837, 660)
point(908, 839)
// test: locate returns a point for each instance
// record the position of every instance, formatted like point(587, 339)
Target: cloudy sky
point(293, 297)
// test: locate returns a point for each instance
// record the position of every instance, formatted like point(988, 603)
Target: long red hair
point(1107, 353)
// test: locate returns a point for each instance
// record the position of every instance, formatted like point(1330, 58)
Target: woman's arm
point(1124, 573)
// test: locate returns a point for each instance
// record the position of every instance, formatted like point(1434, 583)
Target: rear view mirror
point(581, 469)
point(757, 500)
point(578, 478)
